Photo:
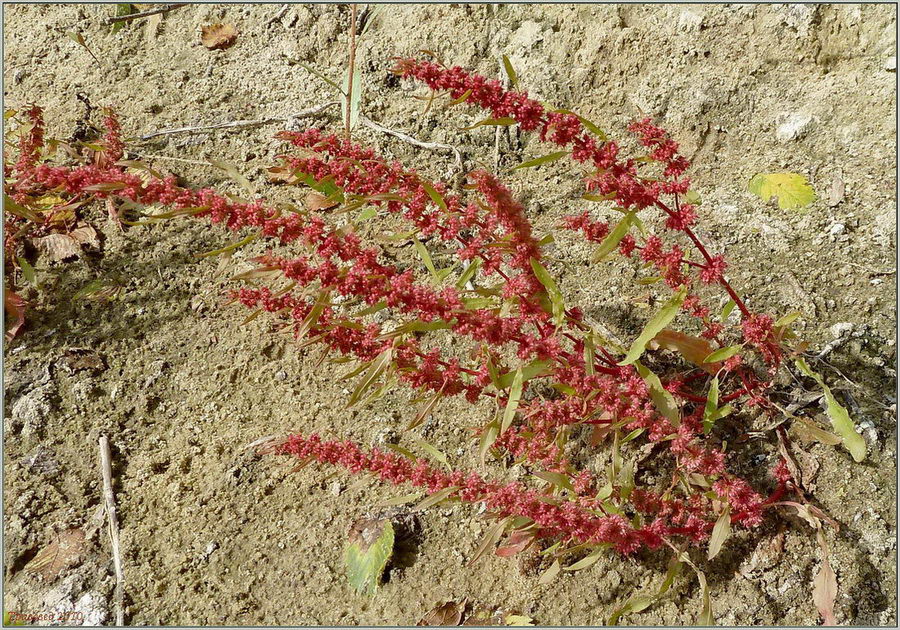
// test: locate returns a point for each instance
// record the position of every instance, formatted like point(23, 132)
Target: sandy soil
point(214, 535)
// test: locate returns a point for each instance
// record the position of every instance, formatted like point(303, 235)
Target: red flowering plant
point(324, 284)
point(35, 216)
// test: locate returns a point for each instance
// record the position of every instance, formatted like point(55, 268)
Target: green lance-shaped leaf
point(840, 419)
point(426, 410)
point(488, 436)
point(557, 479)
point(376, 369)
point(641, 601)
point(515, 395)
point(434, 194)
point(493, 122)
point(594, 129)
point(433, 452)
point(437, 497)
point(354, 99)
point(712, 405)
point(468, 274)
point(613, 239)
point(726, 310)
point(315, 312)
point(556, 298)
point(788, 319)
point(550, 574)
point(791, 189)
point(532, 370)
point(28, 272)
point(510, 72)
point(662, 398)
point(720, 533)
point(544, 159)
point(588, 561)
point(426, 257)
point(722, 353)
point(368, 551)
point(122, 9)
point(659, 321)
point(321, 76)
point(232, 171)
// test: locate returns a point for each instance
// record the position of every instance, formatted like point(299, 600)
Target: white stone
point(837, 228)
point(840, 329)
point(890, 64)
point(690, 21)
point(793, 126)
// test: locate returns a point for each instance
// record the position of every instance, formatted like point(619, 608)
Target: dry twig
point(433, 146)
point(350, 66)
point(306, 113)
point(106, 471)
point(135, 16)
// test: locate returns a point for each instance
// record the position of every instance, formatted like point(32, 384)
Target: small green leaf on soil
point(840, 419)
point(369, 548)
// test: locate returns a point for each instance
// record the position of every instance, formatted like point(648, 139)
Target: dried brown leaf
point(282, 175)
point(62, 246)
point(218, 36)
point(14, 306)
point(447, 614)
point(825, 586)
point(694, 349)
point(58, 246)
point(84, 234)
point(58, 555)
point(517, 542)
point(315, 201)
point(766, 555)
point(76, 359)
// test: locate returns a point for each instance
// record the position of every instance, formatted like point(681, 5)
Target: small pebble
point(890, 64)
point(837, 228)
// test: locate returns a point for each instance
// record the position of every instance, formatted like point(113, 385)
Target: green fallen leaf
point(712, 405)
point(368, 551)
point(792, 190)
point(355, 96)
point(494, 122)
point(840, 419)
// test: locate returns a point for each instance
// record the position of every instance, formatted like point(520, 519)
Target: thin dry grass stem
point(433, 146)
point(350, 66)
point(109, 497)
point(233, 124)
point(267, 445)
point(135, 16)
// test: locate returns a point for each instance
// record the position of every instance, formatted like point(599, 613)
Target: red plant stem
point(703, 252)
